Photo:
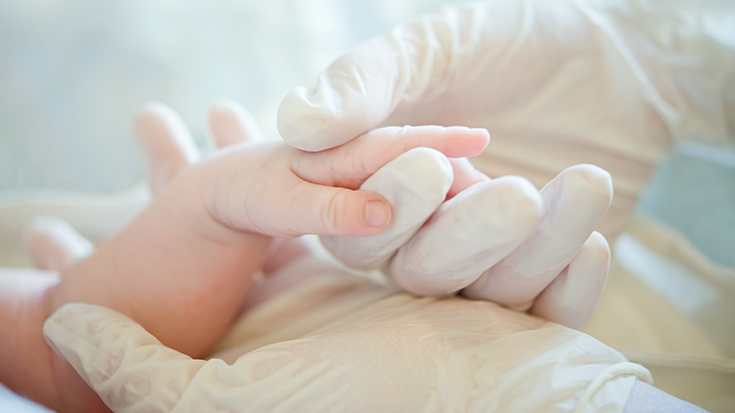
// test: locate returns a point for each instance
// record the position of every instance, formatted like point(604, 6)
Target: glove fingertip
point(304, 125)
point(571, 298)
point(414, 184)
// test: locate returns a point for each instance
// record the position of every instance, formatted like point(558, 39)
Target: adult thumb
point(352, 96)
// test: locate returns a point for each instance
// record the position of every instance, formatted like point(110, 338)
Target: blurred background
point(73, 73)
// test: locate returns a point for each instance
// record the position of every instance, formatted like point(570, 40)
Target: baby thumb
point(323, 210)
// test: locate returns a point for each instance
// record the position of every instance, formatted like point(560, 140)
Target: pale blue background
point(73, 72)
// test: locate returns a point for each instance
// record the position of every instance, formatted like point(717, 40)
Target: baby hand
point(273, 189)
point(186, 262)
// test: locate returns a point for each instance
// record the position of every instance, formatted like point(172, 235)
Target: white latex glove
point(498, 240)
point(557, 84)
point(388, 353)
point(480, 240)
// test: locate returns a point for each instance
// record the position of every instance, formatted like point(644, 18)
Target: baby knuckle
point(334, 212)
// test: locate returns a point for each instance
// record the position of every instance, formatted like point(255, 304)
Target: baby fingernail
point(377, 213)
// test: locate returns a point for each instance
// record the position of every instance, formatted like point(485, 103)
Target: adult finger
point(352, 96)
point(468, 234)
point(574, 204)
point(465, 175)
point(414, 184)
point(166, 141)
point(53, 244)
point(571, 298)
point(230, 123)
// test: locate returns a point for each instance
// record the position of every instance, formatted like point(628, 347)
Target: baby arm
point(183, 266)
point(185, 263)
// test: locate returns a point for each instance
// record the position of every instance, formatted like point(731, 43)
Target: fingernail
point(377, 213)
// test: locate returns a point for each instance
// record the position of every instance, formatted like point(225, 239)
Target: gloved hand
point(481, 240)
point(557, 84)
point(389, 352)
